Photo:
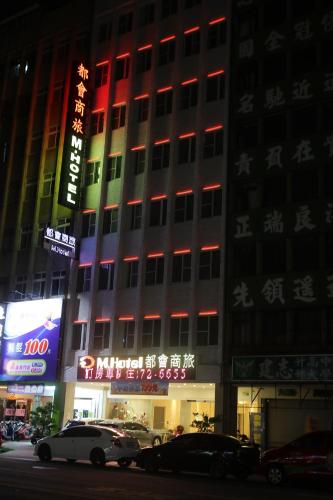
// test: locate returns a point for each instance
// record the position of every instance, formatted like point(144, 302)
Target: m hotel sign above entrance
point(74, 147)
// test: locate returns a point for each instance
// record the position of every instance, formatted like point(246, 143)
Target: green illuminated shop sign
point(316, 368)
point(74, 147)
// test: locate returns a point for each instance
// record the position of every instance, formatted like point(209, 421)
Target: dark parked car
point(215, 454)
point(310, 456)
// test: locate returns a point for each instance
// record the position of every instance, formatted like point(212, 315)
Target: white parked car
point(88, 442)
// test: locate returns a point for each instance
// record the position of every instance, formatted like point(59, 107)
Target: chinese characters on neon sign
point(69, 193)
point(173, 367)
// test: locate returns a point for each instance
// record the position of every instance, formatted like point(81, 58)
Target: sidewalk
point(18, 449)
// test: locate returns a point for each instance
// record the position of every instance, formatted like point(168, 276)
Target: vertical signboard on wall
point(75, 137)
point(31, 341)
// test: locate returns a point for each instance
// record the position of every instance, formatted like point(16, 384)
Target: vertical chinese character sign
point(72, 164)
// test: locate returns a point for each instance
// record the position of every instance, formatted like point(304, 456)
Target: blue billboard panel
point(31, 340)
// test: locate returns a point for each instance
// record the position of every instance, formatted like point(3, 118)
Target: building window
point(154, 271)
point(110, 221)
point(53, 137)
point(191, 3)
point(192, 43)
point(179, 332)
point(213, 143)
point(118, 115)
point(217, 34)
point(48, 185)
point(139, 159)
point(161, 156)
point(135, 216)
point(142, 109)
point(207, 330)
point(125, 23)
point(41, 231)
point(101, 75)
point(167, 52)
point(58, 283)
point(151, 333)
point(97, 123)
point(163, 103)
point(132, 273)
point(143, 61)
point(26, 237)
point(101, 339)
point(168, 8)
point(186, 149)
point(209, 264)
point(106, 276)
point(92, 173)
point(146, 14)
point(211, 203)
point(122, 68)
point(64, 225)
point(215, 87)
point(104, 32)
point(184, 208)
point(128, 333)
point(20, 287)
point(158, 212)
point(38, 284)
point(30, 190)
point(181, 267)
point(88, 224)
point(83, 279)
point(113, 168)
point(243, 328)
point(189, 95)
point(79, 335)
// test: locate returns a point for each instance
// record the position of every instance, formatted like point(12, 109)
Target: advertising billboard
point(31, 340)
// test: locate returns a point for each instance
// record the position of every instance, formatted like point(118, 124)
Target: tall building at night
point(148, 280)
point(166, 212)
point(278, 348)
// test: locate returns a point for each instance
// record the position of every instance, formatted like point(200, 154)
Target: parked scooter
point(36, 435)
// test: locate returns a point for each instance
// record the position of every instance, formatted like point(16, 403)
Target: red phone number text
point(134, 374)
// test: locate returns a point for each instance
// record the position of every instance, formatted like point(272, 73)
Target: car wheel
point(124, 462)
point(157, 441)
point(71, 460)
point(44, 453)
point(217, 469)
point(275, 475)
point(97, 457)
point(151, 464)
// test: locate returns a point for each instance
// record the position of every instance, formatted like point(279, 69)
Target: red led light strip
point(80, 321)
point(191, 30)
point(215, 127)
point(85, 264)
point(184, 136)
point(215, 73)
point(142, 96)
point(109, 207)
point(116, 153)
point(137, 148)
point(88, 211)
point(134, 202)
point(107, 261)
point(126, 318)
point(188, 82)
point(168, 38)
point(152, 316)
point(102, 320)
point(145, 47)
point(209, 247)
point(131, 259)
point(218, 20)
point(122, 56)
point(182, 251)
point(158, 197)
point(164, 89)
point(99, 110)
point(161, 141)
point(153, 255)
point(179, 315)
point(102, 63)
point(116, 104)
point(186, 191)
point(211, 186)
point(211, 312)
